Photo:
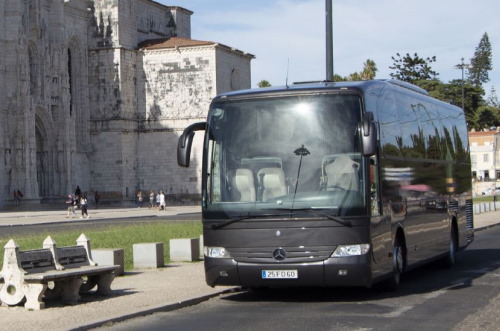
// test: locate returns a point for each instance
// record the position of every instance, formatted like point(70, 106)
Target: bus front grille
point(453, 206)
point(281, 254)
point(469, 216)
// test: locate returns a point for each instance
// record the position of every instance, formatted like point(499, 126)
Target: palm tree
point(263, 83)
point(369, 70)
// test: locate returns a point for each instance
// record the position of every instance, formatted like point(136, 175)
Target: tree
point(369, 70)
point(411, 69)
point(452, 93)
point(481, 62)
point(338, 78)
point(473, 96)
point(493, 98)
point(434, 87)
point(486, 117)
point(355, 76)
point(264, 83)
point(368, 73)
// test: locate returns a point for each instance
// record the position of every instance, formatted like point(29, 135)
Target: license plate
point(280, 274)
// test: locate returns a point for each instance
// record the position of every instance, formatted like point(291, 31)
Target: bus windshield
point(285, 153)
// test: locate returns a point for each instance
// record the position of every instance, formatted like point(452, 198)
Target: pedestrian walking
point(151, 199)
point(140, 198)
point(17, 198)
point(70, 203)
point(83, 206)
point(158, 200)
point(78, 195)
point(162, 201)
point(97, 197)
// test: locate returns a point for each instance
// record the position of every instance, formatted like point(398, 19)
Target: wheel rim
point(453, 247)
point(398, 259)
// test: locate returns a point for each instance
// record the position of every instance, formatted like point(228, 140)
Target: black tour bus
point(331, 184)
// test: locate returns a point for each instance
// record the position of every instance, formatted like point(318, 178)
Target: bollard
point(148, 255)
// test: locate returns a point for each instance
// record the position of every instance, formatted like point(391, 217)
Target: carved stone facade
point(95, 93)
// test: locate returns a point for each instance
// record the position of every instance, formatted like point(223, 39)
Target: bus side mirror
point(186, 141)
point(368, 135)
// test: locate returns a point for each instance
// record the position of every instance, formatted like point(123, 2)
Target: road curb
point(76, 220)
point(486, 227)
point(156, 309)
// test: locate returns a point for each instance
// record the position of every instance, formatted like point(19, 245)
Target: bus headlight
point(216, 252)
point(351, 250)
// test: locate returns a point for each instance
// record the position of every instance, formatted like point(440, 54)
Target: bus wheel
point(451, 257)
point(397, 266)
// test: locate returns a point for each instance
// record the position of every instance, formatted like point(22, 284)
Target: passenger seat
point(272, 183)
point(343, 174)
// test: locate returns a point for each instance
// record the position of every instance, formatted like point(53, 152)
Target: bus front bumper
point(345, 271)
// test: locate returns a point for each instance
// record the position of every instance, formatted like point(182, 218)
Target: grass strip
point(120, 236)
point(485, 198)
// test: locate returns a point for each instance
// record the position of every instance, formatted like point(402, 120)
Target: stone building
point(95, 93)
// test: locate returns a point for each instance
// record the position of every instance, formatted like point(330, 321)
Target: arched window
point(235, 79)
point(70, 81)
point(33, 70)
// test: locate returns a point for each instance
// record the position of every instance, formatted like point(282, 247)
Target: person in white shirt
point(162, 200)
point(83, 206)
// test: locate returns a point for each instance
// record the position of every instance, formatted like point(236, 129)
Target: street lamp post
point(329, 40)
point(462, 66)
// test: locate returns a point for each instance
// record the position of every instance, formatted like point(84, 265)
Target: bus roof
point(322, 85)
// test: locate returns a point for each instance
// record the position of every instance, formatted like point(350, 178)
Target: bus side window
point(390, 127)
point(374, 187)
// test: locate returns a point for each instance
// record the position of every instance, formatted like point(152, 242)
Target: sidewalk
point(51, 215)
point(138, 293)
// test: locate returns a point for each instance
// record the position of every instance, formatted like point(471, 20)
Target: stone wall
point(83, 105)
point(178, 85)
point(182, 17)
point(40, 111)
point(145, 20)
point(233, 70)
point(4, 153)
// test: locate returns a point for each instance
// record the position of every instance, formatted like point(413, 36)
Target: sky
point(287, 37)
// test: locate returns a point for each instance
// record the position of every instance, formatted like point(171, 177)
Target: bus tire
point(398, 262)
point(451, 257)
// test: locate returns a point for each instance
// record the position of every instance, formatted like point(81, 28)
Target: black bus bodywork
point(331, 184)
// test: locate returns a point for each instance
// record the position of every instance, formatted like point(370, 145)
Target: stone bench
point(51, 272)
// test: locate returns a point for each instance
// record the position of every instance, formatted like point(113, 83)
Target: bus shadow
point(471, 264)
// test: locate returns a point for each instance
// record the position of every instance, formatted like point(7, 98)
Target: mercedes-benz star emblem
point(279, 254)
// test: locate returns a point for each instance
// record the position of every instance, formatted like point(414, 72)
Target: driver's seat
point(343, 174)
point(271, 182)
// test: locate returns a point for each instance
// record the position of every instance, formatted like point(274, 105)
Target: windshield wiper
point(331, 217)
point(313, 211)
point(241, 218)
